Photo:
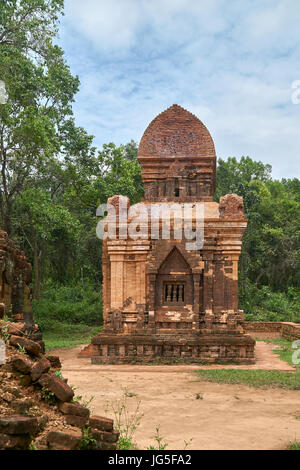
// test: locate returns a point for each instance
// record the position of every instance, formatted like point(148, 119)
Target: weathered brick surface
point(176, 131)
point(161, 298)
point(15, 291)
point(39, 368)
point(262, 326)
point(30, 346)
point(74, 409)
point(58, 440)
point(54, 361)
point(177, 156)
point(287, 330)
point(61, 389)
point(100, 423)
point(290, 331)
point(17, 442)
point(22, 363)
point(14, 425)
point(103, 436)
point(78, 421)
point(16, 329)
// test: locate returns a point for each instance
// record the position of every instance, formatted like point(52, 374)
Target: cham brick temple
point(162, 301)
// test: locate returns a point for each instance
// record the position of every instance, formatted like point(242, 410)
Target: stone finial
point(231, 207)
point(119, 201)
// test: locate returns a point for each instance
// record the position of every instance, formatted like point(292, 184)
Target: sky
point(232, 63)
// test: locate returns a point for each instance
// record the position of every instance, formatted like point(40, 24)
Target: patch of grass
point(65, 335)
point(252, 378)
point(286, 351)
point(294, 445)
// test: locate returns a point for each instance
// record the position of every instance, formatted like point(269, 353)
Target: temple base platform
point(170, 349)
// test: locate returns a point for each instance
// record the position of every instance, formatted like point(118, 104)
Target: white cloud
point(231, 63)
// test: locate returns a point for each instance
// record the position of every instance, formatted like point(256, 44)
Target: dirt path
point(228, 416)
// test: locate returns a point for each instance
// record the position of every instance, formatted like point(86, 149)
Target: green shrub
point(71, 304)
point(262, 304)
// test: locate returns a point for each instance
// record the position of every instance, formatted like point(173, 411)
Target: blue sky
point(232, 63)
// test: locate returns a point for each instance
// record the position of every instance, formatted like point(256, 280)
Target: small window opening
point(174, 293)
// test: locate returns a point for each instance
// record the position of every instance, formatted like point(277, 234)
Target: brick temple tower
point(162, 298)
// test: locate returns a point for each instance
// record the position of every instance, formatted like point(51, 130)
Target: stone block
point(101, 424)
point(18, 425)
point(78, 421)
point(39, 368)
point(74, 409)
point(59, 387)
point(58, 440)
point(21, 363)
point(30, 346)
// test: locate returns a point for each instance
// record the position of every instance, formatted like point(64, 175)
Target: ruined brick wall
point(262, 326)
point(290, 331)
point(287, 330)
point(16, 276)
point(37, 405)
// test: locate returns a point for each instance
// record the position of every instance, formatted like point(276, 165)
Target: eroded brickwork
point(163, 299)
point(16, 275)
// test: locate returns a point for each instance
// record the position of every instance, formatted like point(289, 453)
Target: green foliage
point(32, 446)
point(4, 335)
point(294, 445)
point(159, 444)
point(21, 349)
point(263, 304)
point(269, 267)
point(52, 180)
point(87, 441)
point(199, 396)
point(86, 403)
point(48, 396)
point(285, 350)
point(40, 91)
point(125, 421)
point(68, 315)
point(253, 378)
point(72, 304)
point(58, 373)
point(65, 335)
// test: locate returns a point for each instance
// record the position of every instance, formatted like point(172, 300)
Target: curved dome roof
point(176, 132)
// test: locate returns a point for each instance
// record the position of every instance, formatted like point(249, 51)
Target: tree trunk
point(36, 267)
point(6, 220)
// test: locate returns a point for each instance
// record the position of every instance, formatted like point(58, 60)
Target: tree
point(27, 25)
point(42, 223)
point(36, 124)
point(271, 251)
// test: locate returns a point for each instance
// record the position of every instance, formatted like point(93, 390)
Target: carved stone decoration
point(117, 321)
point(231, 207)
point(119, 201)
point(140, 321)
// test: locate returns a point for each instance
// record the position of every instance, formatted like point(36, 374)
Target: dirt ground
point(228, 416)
